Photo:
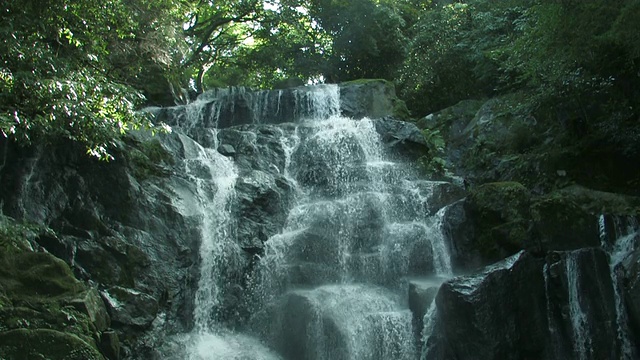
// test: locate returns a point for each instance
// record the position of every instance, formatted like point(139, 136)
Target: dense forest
point(81, 69)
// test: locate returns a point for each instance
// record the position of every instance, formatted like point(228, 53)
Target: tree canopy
point(80, 69)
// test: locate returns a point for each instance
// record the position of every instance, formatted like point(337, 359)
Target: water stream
point(624, 235)
point(332, 284)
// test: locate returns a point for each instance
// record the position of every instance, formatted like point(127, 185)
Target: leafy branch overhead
point(81, 69)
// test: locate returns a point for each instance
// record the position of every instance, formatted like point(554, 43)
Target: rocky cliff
point(338, 242)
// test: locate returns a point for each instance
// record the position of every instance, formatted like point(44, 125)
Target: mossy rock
point(453, 120)
point(148, 158)
point(562, 224)
point(601, 202)
point(500, 213)
point(47, 315)
point(501, 201)
point(374, 98)
point(17, 237)
point(31, 274)
point(33, 344)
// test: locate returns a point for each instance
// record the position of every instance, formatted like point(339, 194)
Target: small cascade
point(429, 322)
point(581, 336)
point(441, 257)
point(317, 102)
point(214, 176)
point(217, 249)
point(333, 283)
point(338, 270)
point(625, 235)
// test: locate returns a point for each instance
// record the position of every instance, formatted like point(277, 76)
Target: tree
point(367, 38)
point(63, 73)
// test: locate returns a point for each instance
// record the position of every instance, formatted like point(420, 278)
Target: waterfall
point(624, 234)
point(332, 282)
point(336, 271)
point(214, 177)
point(582, 339)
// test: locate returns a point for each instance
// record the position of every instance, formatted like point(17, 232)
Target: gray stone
point(504, 312)
point(91, 303)
point(401, 137)
point(369, 98)
point(130, 307)
point(110, 345)
point(421, 293)
point(226, 150)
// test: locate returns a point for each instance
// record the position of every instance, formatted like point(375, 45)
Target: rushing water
point(581, 336)
point(624, 234)
point(333, 283)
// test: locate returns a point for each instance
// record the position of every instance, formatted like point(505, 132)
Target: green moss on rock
point(562, 224)
point(500, 212)
point(31, 274)
point(32, 344)
point(149, 158)
point(45, 312)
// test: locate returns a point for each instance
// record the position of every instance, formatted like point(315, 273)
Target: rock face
point(528, 307)
point(319, 238)
point(499, 219)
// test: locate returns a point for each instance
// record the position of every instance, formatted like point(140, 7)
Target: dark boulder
point(130, 307)
point(402, 138)
point(527, 307)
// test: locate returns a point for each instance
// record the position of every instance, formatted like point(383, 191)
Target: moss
point(149, 159)
point(31, 344)
point(400, 109)
point(36, 290)
point(31, 274)
point(500, 212)
point(17, 236)
point(601, 202)
point(562, 224)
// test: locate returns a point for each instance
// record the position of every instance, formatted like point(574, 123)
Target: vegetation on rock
point(44, 311)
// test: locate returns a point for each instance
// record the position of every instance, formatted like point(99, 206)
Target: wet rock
point(581, 306)
point(261, 199)
point(110, 345)
point(130, 307)
point(498, 314)
point(91, 304)
point(370, 98)
point(561, 224)
point(226, 150)
point(422, 292)
point(521, 308)
point(401, 137)
point(632, 288)
point(489, 225)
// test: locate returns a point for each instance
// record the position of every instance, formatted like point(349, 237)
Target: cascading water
point(214, 176)
point(624, 235)
point(332, 284)
point(334, 273)
point(581, 336)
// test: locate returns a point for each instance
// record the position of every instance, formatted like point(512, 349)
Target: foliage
point(434, 162)
point(61, 71)
point(80, 69)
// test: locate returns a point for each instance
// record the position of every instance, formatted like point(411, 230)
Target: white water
point(214, 176)
point(625, 233)
point(347, 235)
point(359, 226)
point(581, 336)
